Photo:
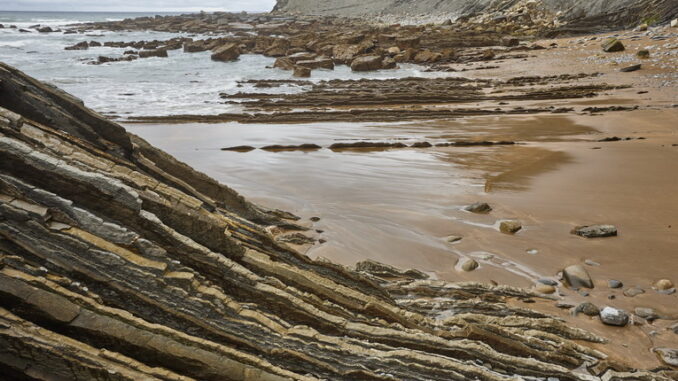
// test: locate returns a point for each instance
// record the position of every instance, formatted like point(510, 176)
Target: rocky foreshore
point(118, 262)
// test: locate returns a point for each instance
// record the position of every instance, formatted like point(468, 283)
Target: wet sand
point(399, 206)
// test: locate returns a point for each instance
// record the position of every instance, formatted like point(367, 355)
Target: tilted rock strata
point(119, 263)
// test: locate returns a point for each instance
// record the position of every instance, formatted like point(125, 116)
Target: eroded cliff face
point(119, 263)
point(594, 14)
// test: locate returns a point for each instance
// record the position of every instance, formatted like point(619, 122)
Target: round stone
point(588, 309)
point(469, 265)
point(614, 316)
point(664, 284)
point(613, 283)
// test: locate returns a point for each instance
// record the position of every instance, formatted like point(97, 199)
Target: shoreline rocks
point(595, 231)
point(577, 277)
point(226, 53)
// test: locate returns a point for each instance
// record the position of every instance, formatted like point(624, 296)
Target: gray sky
point(137, 5)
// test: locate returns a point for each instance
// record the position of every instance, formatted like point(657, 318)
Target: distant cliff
point(594, 13)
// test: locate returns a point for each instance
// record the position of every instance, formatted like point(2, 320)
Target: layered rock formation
point(604, 12)
point(118, 262)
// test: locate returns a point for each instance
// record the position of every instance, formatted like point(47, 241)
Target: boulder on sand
point(510, 226)
point(595, 231)
point(576, 276)
point(367, 63)
point(613, 45)
point(479, 207)
point(614, 316)
point(228, 52)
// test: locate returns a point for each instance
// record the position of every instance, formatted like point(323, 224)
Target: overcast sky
point(137, 5)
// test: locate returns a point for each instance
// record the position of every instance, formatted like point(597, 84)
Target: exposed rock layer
point(598, 14)
point(118, 262)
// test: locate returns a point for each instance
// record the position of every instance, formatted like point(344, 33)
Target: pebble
point(532, 251)
point(595, 231)
point(469, 265)
point(663, 285)
point(613, 283)
point(479, 207)
point(633, 291)
point(591, 263)
point(563, 305)
point(588, 309)
point(510, 226)
point(614, 316)
point(453, 238)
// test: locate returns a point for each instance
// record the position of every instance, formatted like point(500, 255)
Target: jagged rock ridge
point(118, 262)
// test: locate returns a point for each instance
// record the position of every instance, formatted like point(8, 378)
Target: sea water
point(183, 83)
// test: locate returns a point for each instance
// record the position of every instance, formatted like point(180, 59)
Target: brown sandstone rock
point(228, 52)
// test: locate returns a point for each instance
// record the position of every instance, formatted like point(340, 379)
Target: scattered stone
point(577, 277)
point(595, 231)
point(479, 207)
point(633, 291)
point(510, 226)
point(613, 45)
point(469, 265)
point(583, 292)
point(644, 54)
point(646, 313)
point(588, 309)
point(674, 23)
point(589, 262)
point(532, 251)
point(663, 285)
point(564, 305)
point(228, 52)
point(301, 72)
point(315, 219)
point(668, 355)
point(45, 29)
point(614, 316)
point(613, 283)
point(642, 27)
point(630, 68)
point(453, 238)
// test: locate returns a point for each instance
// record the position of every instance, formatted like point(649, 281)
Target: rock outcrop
point(596, 14)
point(117, 262)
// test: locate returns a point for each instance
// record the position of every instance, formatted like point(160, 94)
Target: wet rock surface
point(614, 316)
point(595, 231)
point(576, 277)
point(118, 262)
